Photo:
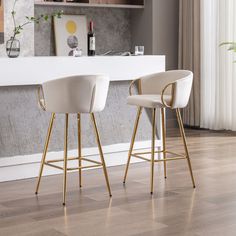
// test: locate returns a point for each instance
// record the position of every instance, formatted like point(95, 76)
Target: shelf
point(67, 4)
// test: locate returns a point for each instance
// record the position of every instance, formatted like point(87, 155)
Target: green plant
point(232, 46)
point(29, 20)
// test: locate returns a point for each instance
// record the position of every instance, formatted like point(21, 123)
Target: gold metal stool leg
point(65, 158)
point(181, 126)
point(153, 148)
point(79, 149)
point(101, 153)
point(45, 151)
point(139, 112)
point(163, 123)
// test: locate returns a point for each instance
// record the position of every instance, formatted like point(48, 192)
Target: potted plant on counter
point(13, 44)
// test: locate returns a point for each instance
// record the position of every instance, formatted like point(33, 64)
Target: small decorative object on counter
point(70, 33)
point(77, 52)
point(91, 40)
point(13, 44)
point(13, 47)
point(139, 51)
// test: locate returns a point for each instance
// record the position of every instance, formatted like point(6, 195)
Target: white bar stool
point(171, 90)
point(76, 94)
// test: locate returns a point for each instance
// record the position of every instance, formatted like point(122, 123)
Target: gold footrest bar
point(170, 159)
point(84, 167)
point(179, 157)
point(176, 154)
point(61, 160)
point(73, 159)
point(54, 166)
point(140, 157)
point(92, 161)
point(143, 153)
point(73, 168)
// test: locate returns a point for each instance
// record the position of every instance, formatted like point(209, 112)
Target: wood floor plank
point(175, 209)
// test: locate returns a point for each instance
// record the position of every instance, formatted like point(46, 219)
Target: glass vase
point(13, 47)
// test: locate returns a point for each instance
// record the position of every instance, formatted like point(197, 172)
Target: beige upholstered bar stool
point(160, 91)
point(76, 94)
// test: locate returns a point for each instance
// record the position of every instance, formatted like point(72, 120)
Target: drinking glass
point(139, 50)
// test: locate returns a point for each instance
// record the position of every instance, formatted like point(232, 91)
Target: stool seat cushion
point(176, 83)
point(76, 94)
point(148, 100)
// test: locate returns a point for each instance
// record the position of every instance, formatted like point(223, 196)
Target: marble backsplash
point(112, 27)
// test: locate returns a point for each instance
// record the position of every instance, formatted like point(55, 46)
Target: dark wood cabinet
point(129, 2)
point(94, 3)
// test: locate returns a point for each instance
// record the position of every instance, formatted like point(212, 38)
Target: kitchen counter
point(36, 70)
point(23, 125)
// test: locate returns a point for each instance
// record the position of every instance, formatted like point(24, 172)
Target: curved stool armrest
point(132, 85)
point(163, 93)
point(41, 99)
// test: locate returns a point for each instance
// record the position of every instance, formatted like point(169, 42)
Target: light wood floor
point(175, 209)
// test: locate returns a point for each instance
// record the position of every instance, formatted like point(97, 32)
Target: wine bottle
point(91, 40)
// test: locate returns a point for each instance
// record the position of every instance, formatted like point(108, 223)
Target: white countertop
point(36, 70)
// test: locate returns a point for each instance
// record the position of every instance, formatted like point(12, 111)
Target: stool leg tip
point(151, 193)
point(63, 203)
point(36, 193)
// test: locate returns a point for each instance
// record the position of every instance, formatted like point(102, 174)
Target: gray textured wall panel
point(23, 125)
point(112, 28)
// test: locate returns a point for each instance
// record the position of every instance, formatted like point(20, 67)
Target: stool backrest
point(177, 83)
point(76, 94)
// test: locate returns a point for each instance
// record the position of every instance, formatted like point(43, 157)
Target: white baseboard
point(23, 167)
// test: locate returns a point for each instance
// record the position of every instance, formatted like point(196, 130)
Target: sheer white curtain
point(218, 72)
